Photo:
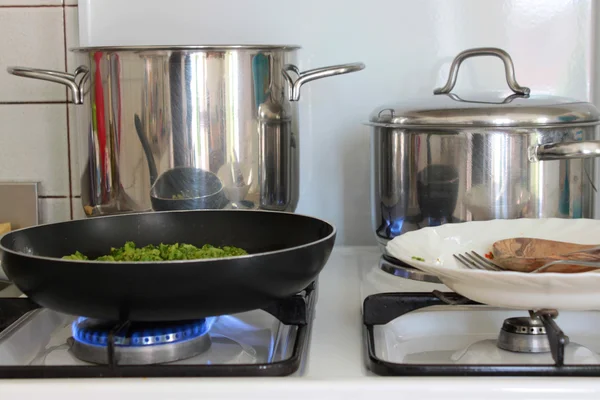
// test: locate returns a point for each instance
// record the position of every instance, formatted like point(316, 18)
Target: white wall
point(407, 46)
point(34, 137)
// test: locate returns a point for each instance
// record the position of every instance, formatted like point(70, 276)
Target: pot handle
point(314, 74)
point(72, 81)
point(483, 51)
point(563, 151)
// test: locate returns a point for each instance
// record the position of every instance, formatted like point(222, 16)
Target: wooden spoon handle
point(579, 256)
point(569, 263)
point(592, 250)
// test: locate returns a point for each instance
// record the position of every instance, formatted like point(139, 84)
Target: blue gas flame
point(97, 335)
point(396, 227)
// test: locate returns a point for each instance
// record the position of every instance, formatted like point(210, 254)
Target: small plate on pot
point(431, 250)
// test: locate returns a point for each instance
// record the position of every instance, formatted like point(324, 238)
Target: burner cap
point(141, 342)
point(524, 325)
point(523, 335)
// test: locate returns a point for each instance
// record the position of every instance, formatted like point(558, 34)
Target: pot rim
point(225, 47)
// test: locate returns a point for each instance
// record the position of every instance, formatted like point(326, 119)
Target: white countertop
point(335, 368)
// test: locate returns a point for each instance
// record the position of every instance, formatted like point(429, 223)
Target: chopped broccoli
point(163, 252)
point(76, 256)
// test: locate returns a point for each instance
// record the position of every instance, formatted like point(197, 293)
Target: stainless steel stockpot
point(223, 118)
point(447, 159)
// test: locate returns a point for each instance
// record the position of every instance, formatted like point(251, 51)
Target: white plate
point(518, 290)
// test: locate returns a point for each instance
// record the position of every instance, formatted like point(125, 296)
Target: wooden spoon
point(528, 254)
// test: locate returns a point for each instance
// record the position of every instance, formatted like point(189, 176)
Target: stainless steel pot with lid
point(187, 127)
point(452, 158)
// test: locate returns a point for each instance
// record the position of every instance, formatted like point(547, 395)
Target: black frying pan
point(287, 252)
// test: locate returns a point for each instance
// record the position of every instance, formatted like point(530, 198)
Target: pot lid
point(521, 111)
point(517, 109)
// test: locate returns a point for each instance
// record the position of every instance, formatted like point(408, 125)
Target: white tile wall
point(77, 209)
point(72, 40)
point(33, 146)
point(31, 37)
point(21, 3)
point(33, 114)
point(72, 34)
point(54, 210)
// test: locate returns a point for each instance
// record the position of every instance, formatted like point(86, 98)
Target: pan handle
point(73, 81)
point(564, 151)
point(314, 74)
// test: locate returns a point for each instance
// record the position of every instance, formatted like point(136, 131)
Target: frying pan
point(286, 253)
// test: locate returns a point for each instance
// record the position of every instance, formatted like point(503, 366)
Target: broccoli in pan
point(163, 252)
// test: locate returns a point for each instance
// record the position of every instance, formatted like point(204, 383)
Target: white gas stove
point(421, 345)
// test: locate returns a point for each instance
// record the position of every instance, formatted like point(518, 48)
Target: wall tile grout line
point(19, 103)
point(34, 6)
point(64, 19)
point(69, 161)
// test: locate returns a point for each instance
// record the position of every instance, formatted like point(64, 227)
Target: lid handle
point(483, 51)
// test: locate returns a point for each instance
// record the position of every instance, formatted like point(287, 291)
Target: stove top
point(41, 343)
point(334, 363)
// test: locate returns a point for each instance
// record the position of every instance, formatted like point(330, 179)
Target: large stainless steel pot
point(447, 159)
point(221, 118)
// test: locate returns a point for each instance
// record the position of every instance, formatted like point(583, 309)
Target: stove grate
point(295, 310)
point(380, 309)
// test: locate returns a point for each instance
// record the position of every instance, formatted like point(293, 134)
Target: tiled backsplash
point(36, 143)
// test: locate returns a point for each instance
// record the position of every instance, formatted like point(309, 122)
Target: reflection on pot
point(486, 202)
point(237, 179)
point(437, 193)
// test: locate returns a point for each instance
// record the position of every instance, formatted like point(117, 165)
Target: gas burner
point(523, 335)
point(398, 268)
point(456, 339)
point(139, 343)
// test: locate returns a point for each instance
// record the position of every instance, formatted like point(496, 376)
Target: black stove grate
point(13, 309)
point(296, 310)
point(380, 309)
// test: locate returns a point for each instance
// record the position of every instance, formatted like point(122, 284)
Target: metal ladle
point(181, 188)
